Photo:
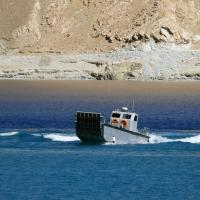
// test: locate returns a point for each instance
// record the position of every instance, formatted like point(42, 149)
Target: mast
point(133, 105)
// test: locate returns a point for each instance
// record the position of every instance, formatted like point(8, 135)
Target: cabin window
point(116, 115)
point(126, 116)
point(135, 118)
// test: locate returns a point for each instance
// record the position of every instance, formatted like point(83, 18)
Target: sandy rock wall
point(96, 25)
point(100, 39)
point(147, 62)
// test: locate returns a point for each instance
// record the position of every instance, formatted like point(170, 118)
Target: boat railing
point(145, 131)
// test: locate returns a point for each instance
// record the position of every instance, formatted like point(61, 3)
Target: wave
point(193, 140)
point(155, 139)
point(57, 137)
point(8, 134)
point(36, 134)
point(60, 138)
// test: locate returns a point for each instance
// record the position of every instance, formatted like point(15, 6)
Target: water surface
point(41, 158)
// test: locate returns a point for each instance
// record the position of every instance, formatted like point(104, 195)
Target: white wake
point(193, 140)
point(61, 138)
point(155, 139)
point(8, 134)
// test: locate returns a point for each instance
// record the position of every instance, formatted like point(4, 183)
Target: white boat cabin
point(124, 119)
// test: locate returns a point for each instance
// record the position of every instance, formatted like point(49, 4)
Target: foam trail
point(60, 138)
point(36, 135)
point(155, 139)
point(193, 140)
point(8, 134)
point(160, 139)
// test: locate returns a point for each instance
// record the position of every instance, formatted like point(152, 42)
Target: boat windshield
point(116, 115)
point(126, 116)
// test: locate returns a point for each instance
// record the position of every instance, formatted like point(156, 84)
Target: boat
point(91, 127)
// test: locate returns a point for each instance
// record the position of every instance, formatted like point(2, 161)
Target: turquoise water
point(41, 157)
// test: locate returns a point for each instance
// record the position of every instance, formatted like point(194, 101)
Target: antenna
point(133, 105)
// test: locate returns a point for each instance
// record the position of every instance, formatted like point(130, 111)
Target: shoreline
point(103, 87)
point(149, 62)
point(92, 80)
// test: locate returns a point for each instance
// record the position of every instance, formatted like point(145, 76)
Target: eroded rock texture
point(96, 25)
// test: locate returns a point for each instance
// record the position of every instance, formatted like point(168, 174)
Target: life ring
point(124, 123)
point(114, 121)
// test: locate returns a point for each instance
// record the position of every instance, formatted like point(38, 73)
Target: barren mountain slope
point(95, 25)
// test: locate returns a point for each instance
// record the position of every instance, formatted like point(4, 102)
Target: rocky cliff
point(96, 25)
point(100, 39)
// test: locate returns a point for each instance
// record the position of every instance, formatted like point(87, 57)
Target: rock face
point(100, 39)
point(149, 62)
point(96, 25)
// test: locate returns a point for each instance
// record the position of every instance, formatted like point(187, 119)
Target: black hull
point(89, 127)
point(87, 139)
